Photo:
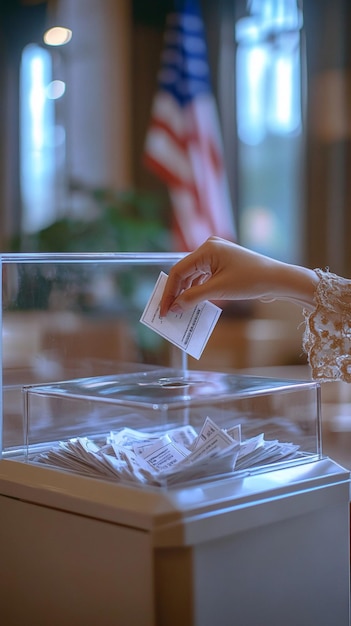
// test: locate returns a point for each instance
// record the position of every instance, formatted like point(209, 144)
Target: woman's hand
point(222, 270)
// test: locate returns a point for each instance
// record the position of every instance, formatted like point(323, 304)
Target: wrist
point(295, 283)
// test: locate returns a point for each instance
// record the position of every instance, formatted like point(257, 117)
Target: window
point(270, 128)
point(42, 139)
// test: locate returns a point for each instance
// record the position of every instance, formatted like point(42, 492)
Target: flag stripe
point(183, 145)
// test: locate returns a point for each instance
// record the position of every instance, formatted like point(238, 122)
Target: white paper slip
point(189, 330)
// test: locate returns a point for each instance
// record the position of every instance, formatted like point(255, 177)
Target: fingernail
point(175, 308)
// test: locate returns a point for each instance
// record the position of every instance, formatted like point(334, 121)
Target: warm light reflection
point(57, 36)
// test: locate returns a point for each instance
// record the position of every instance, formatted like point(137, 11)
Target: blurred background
point(74, 119)
point(75, 112)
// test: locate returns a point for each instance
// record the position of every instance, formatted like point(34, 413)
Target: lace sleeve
point(327, 336)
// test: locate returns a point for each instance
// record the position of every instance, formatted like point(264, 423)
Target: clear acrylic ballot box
point(267, 423)
point(137, 490)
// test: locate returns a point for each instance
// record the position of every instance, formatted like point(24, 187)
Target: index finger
point(181, 277)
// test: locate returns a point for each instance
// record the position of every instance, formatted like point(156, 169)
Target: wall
point(98, 90)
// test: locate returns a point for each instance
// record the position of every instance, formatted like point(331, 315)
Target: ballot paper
point(188, 330)
point(164, 458)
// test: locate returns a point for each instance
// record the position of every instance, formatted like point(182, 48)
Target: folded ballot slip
point(188, 330)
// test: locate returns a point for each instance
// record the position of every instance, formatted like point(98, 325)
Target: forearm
point(293, 283)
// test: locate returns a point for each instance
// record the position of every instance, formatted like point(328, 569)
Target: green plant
point(124, 221)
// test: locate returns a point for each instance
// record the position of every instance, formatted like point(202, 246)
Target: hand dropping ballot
point(188, 330)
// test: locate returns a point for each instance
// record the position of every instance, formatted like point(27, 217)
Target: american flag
point(183, 143)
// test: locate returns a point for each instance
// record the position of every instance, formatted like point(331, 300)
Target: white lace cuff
point(327, 336)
